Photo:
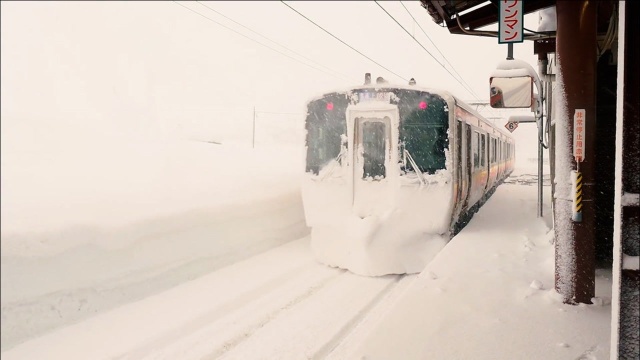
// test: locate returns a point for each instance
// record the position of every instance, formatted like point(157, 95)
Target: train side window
point(492, 158)
point(476, 149)
point(459, 144)
point(483, 150)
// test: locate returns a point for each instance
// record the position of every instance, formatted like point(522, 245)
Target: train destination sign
point(374, 96)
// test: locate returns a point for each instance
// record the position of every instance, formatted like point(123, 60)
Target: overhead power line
point(273, 41)
point(491, 110)
point(434, 44)
point(267, 46)
point(337, 38)
point(428, 52)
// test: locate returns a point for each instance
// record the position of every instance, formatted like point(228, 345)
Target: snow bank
point(86, 231)
point(489, 295)
point(115, 181)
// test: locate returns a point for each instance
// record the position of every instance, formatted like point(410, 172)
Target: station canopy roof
point(473, 14)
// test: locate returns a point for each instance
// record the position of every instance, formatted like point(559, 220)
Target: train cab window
point(374, 149)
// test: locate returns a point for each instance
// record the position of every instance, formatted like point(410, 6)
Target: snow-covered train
point(393, 172)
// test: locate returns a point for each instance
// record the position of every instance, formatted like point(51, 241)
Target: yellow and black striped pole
point(576, 180)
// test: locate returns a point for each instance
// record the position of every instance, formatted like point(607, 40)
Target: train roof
point(442, 93)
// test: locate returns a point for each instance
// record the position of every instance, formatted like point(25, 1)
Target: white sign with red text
point(511, 22)
point(579, 118)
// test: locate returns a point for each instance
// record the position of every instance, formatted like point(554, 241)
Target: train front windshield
point(424, 124)
point(326, 124)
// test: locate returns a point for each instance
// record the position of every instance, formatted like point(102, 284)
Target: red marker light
point(423, 105)
point(329, 106)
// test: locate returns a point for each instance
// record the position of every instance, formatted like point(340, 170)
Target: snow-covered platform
point(487, 295)
point(490, 295)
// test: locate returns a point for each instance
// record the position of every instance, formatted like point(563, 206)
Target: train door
point(462, 167)
point(500, 159)
point(493, 169)
point(371, 162)
point(484, 160)
point(477, 184)
point(468, 162)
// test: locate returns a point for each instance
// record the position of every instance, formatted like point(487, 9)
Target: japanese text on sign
point(511, 22)
point(579, 118)
point(374, 96)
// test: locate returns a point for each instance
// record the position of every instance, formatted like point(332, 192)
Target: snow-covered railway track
point(227, 325)
point(316, 326)
point(281, 302)
point(306, 313)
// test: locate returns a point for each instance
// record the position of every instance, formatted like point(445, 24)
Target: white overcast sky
point(134, 64)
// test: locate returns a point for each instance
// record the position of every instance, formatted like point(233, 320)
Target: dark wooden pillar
point(576, 47)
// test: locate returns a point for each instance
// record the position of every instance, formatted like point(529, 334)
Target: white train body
point(391, 175)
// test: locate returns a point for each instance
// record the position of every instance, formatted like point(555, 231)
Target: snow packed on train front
point(393, 172)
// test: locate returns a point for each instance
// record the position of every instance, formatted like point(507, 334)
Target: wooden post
point(575, 241)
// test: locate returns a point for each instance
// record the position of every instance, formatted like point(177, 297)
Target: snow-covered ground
point(108, 225)
point(139, 222)
point(238, 280)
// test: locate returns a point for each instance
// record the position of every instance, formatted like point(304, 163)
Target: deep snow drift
point(83, 232)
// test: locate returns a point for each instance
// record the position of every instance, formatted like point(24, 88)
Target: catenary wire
point(326, 32)
point(434, 58)
point(273, 41)
point(484, 107)
point(267, 46)
point(434, 45)
point(337, 38)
